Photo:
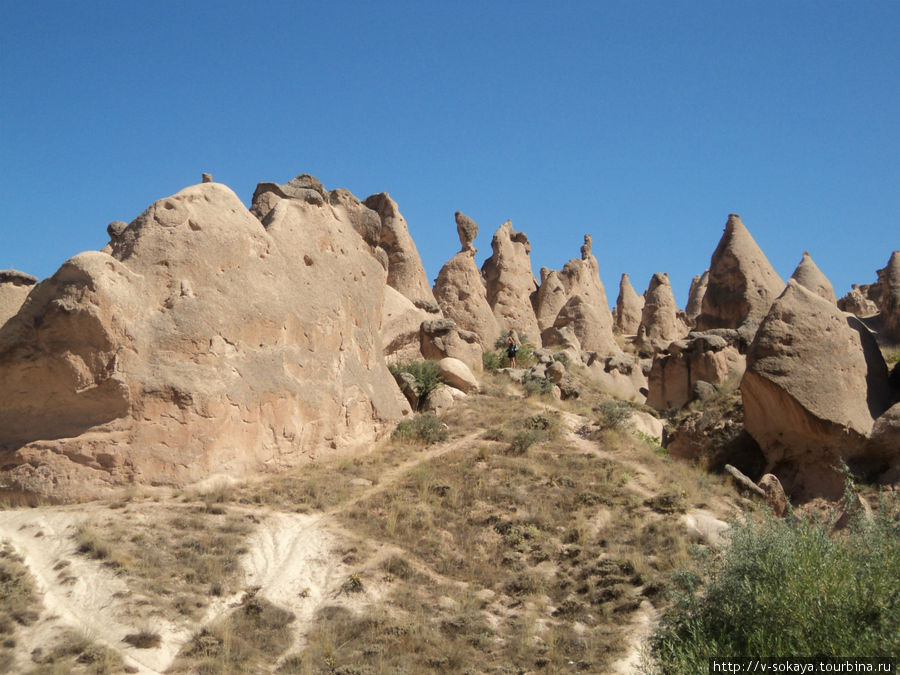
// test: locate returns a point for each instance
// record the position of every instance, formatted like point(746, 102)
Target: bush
point(612, 414)
point(424, 427)
point(426, 374)
point(494, 361)
point(787, 588)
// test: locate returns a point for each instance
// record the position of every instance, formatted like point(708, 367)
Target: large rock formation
point(810, 276)
point(815, 382)
point(858, 302)
point(742, 283)
point(889, 278)
point(695, 297)
point(204, 342)
point(510, 281)
point(551, 297)
point(629, 307)
point(660, 314)
point(400, 326)
point(460, 290)
point(14, 288)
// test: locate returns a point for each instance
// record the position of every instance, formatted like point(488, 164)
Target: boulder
point(659, 316)
point(629, 307)
point(776, 499)
point(889, 278)
point(742, 283)
point(884, 441)
point(814, 384)
point(810, 276)
point(457, 374)
point(14, 288)
point(695, 297)
point(440, 338)
point(510, 282)
point(442, 398)
point(177, 355)
point(551, 297)
point(460, 290)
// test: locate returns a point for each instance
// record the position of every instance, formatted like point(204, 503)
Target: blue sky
point(643, 123)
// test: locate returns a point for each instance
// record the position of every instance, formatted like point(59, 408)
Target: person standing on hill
point(512, 348)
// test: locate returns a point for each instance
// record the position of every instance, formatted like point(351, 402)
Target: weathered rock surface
point(889, 277)
point(814, 384)
point(551, 297)
point(401, 321)
point(695, 297)
point(742, 283)
point(857, 302)
point(659, 316)
point(14, 288)
point(460, 290)
point(457, 374)
point(776, 499)
point(810, 276)
point(205, 342)
point(629, 307)
point(440, 338)
point(510, 282)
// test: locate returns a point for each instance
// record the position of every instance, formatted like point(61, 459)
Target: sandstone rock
point(660, 314)
point(695, 297)
point(440, 338)
point(857, 302)
point(407, 384)
point(640, 422)
point(177, 355)
point(742, 283)
point(889, 278)
point(704, 528)
point(400, 324)
point(810, 276)
point(461, 293)
point(629, 307)
point(467, 229)
point(510, 282)
point(884, 441)
point(405, 271)
point(551, 297)
point(206, 178)
point(775, 497)
point(457, 374)
point(442, 398)
point(14, 288)
point(555, 372)
point(363, 219)
point(304, 187)
point(814, 383)
point(115, 229)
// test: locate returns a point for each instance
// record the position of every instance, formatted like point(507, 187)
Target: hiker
point(512, 347)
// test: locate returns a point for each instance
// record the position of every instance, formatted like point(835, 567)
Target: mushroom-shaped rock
point(510, 282)
point(810, 276)
point(14, 288)
point(742, 282)
point(467, 229)
point(814, 383)
point(629, 306)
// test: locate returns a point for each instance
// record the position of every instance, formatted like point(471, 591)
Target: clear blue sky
point(643, 123)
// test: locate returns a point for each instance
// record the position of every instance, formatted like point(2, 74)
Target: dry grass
point(19, 604)
point(74, 651)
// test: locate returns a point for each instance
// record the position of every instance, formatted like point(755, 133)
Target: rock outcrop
point(742, 283)
point(510, 281)
point(551, 297)
point(14, 288)
point(629, 307)
point(857, 302)
point(441, 338)
point(695, 297)
point(810, 276)
point(814, 384)
point(889, 278)
point(205, 341)
point(401, 321)
point(660, 314)
point(460, 290)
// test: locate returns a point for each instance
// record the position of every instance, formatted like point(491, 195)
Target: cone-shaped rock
point(14, 288)
point(889, 278)
point(205, 342)
point(629, 306)
point(405, 270)
point(810, 276)
point(510, 281)
point(814, 383)
point(460, 290)
point(695, 297)
point(742, 282)
point(660, 314)
point(551, 297)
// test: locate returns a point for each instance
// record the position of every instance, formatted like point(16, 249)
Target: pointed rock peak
point(586, 247)
point(467, 229)
point(625, 285)
point(383, 205)
point(734, 224)
point(811, 277)
point(545, 272)
point(657, 280)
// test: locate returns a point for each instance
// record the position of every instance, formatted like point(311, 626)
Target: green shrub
point(536, 385)
point(426, 373)
point(494, 361)
point(612, 414)
point(787, 588)
point(424, 427)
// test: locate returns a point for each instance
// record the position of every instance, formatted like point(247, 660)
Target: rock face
point(206, 341)
point(858, 302)
point(660, 314)
point(400, 323)
point(629, 307)
point(440, 338)
point(815, 382)
point(810, 276)
point(742, 283)
point(460, 290)
point(551, 297)
point(510, 282)
point(695, 297)
point(14, 288)
point(889, 277)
